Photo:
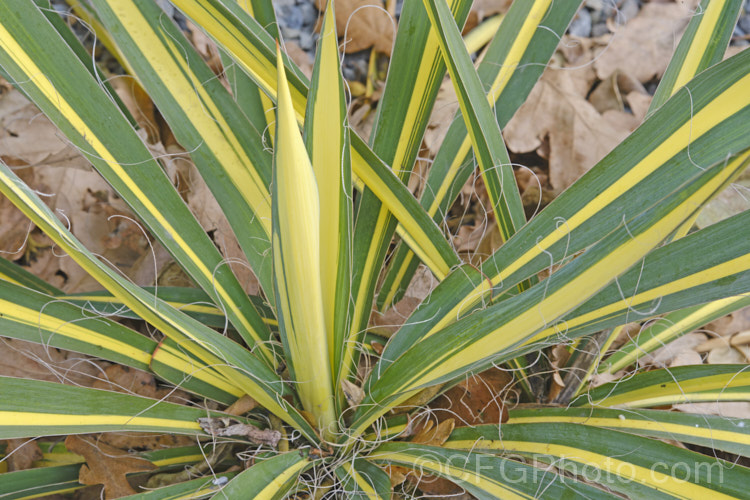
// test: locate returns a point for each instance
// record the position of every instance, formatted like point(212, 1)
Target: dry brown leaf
point(231, 427)
point(139, 104)
point(443, 113)
point(22, 359)
point(300, 57)
point(663, 356)
point(730, 324)
point(420, 286)
point(353, 393)
point(725, 356)
point(482, 9)
point(557, 111)
point(241, 406)
point(106, 465)
point(476, 400)
point(434, 435)
point(20, 454)
point(363, 24)
point(129, 380)
point(202, 203)
point(643, 47)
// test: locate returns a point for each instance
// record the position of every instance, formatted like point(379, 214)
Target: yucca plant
point(315, 216)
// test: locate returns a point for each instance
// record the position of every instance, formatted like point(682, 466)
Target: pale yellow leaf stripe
point(706, 276)
point(634, 424)
point(327, 162)
point(196, 103)
point(701, 39)
point(37, 319)
point(32, 419)
point(714, 388)
point(193, 368)
point(270, 491)
point(151, 310)
point(182, 306)
point(669, 332)
point(651, 478)
point(27, 65)
point(565, 298)
point(720, 109)
point(468, 475)
point(507, 68)
point(362, 483)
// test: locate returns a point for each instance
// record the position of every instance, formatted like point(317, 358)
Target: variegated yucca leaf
point(65, 90)
point(297, 265)
point(462, 347)
point(631, 465)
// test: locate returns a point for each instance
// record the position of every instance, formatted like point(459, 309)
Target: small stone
point(744, 23)
point(581, 24)
point(599, 30)
point(627, 11)
point(307, 40)
point(290, 16)
point(309, 14)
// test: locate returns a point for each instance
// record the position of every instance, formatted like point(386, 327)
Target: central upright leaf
point(296, 262)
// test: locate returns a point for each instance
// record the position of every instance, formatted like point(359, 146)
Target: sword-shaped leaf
point(297, 265)
point(486, 138)
point(713, 432)
point(243, 369)
point(668, 328)
point(362, 479)
point(269, 479)
point(681, 384)
point(483, 475)
point(632, 465)
point(512, 63)
point(58, 409)
point(494, 333)
point(327, 141)
point(35, 56)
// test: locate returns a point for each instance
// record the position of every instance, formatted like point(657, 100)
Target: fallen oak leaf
point(106, 465)
point(21, 453)
point(224, 427)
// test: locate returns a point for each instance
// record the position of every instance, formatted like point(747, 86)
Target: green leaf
point(486, 138)
point(236, 364)
point(485, 476)
point(37, 58)
point(681, 384)
point(513, 62)
point(268, 479)
point(363, 480)
point(32, 483)
point(16, 274)
point(203, 487)
point(673, 325)
point(713, 432)
point(58, 409)
point(494, 334)
point(702, 45)
point(632, 465)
